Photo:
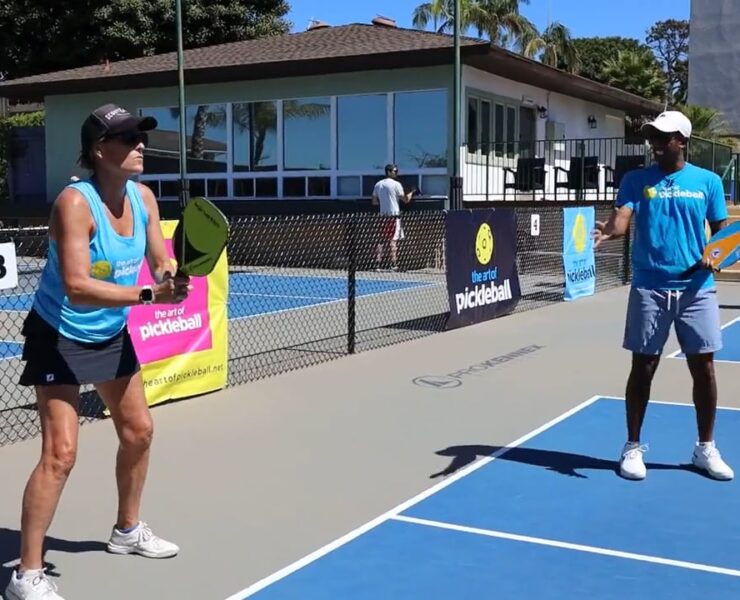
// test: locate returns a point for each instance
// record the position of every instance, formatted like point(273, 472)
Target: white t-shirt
point(389, 192)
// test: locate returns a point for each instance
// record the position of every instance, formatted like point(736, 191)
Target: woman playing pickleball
point(102, 229)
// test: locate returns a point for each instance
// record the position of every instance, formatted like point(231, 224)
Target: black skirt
point(52, 359)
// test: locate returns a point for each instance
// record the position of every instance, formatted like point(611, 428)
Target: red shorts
point(391, 228)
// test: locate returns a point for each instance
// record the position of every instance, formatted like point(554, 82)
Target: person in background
point(388, 194)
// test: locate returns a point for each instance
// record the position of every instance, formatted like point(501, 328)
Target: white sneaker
point(707, 457)
point(141, 541)
point(33, 585)
point(631, 465)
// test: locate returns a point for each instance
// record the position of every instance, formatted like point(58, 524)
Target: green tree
point(669, 40)
point(554, 47)
point(637, 72)
point(594, 52)
point(38, 36)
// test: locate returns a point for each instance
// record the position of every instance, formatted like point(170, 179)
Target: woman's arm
point(72, 224)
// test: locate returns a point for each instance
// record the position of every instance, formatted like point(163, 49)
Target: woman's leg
point(130, 412)
point(59, 430)
point(125, 399)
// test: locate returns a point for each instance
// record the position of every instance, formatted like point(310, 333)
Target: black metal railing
point(311, 288)
point(575, 169)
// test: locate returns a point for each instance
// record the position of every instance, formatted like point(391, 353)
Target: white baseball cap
point(671, 121)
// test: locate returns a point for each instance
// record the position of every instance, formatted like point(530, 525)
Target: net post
point(351, 282)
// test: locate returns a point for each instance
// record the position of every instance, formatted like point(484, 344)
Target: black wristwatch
point(146, 295)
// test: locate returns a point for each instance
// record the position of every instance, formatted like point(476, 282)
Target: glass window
point(362, 135)
point(420, 129)
point(485, 127)
point(348, 186)
point(472, 125)
point(527, 131)
point(510, 129)
point(254, 136)
point(307, 134)
point(205, 127)
point(499, 133)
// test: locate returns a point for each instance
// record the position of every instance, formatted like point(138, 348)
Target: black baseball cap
point(109, 120)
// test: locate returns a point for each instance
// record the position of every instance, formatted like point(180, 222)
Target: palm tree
point(555, 47)
point(637, 72)
point(498, 19)
point(705, 122)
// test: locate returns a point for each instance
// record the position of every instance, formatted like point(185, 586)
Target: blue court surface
point(255, 294)
point(548, 517)
point(730, 351)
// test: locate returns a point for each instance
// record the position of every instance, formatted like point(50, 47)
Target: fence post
point(351, 283)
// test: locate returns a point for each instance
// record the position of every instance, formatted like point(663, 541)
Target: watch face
point(147, 295)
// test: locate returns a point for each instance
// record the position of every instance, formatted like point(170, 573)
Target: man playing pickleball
point(671, 200)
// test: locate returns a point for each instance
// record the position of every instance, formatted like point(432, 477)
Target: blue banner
point(482, 278)
point(578, 252)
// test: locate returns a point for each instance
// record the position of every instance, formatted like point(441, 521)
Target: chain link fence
point(306, 289)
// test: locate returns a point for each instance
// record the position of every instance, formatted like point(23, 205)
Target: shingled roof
point(319, 51)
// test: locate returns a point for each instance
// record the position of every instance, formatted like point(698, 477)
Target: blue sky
point(585, 18)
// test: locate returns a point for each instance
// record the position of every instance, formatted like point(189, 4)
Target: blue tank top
point(113, 258)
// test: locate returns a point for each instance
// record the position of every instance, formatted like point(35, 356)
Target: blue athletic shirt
point(113, 258)
point(669, 223)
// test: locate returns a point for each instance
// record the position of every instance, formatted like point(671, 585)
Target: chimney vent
point(316, 24)
point(384, 21)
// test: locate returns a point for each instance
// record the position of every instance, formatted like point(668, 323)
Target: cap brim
point(133, 124)
point(658, 127)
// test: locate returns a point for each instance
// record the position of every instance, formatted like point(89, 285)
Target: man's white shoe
point(707, 457)
point(631, 465)
point(33, 585)
point(141, 541)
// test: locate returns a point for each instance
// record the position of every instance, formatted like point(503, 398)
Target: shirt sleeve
point(627, 195)
point(716, 206)
point(399, 190)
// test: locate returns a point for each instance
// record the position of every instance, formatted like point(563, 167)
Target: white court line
point(569, 546)
point(337, 301)
point(284, 296)
point(394, 512)
point(733, 321)
point(690, 405)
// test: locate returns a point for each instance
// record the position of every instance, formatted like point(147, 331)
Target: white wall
point(572, 112)
point(484, 177)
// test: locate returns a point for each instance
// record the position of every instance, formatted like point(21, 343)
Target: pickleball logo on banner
point(579, 233)
point(164, 330)
point(482, 279)
point(579, 262)
point(484, 244)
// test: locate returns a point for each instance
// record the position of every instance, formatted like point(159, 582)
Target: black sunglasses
point(130, 138)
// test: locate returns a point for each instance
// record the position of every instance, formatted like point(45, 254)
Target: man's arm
point(716, 206)
point(616, 227)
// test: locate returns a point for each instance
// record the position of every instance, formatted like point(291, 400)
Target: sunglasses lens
point(133, 138)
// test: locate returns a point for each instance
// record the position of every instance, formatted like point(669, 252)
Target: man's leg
point(700, 336)
point(646, 331)
point(704, 393)
point(638, 392)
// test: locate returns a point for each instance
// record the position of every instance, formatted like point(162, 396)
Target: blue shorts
point(693, 313)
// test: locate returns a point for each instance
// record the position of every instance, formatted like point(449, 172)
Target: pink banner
point(161, 331)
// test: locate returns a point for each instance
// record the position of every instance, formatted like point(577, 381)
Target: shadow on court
point(564, 463)
point(10, 540)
